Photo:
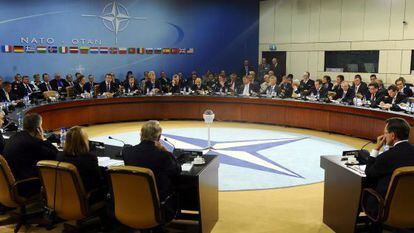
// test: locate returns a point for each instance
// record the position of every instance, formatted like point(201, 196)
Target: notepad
point(186, 167)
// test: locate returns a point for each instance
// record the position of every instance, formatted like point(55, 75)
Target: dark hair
point(6, 83)
point(31, 122)
point(373, 75)
point(328, 78)
point(358, 77)
point(290, 76)
point(319, 81)
point(402, 79)
point(373, 84)
point(341, 77)
point(392, 87)
point(44, 74)
point(399, 127)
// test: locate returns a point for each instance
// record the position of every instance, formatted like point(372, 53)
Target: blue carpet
point(253, 159)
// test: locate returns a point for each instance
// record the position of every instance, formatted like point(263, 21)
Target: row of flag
point(92, 50)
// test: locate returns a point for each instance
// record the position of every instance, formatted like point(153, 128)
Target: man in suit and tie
point(25, 88)
point(151, 154)
point(319, 90)
point(108, 86)
point(306, 84)
point(374, 96)
point(345, 94)
point(16, 83)
point(152, 85)
point(277, 69)
point(90, 85)
point(380, 166)
point(45, 86)
point(273, 89)
point(286, 89)
point(359, 87)
point(402, 87)
point(69, 79)
point(246, 68)
point(234, 82)
point(6, 93)
point(394, 98)
point(248, 88)
point(59, 84)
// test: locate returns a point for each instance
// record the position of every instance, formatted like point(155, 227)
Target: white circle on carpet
point(253, 159)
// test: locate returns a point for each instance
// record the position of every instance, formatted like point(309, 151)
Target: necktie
point(108, 87)
point(48, 87)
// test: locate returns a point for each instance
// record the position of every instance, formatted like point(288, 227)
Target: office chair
point(135, 196)
point(10, 196)
point(66, 197)
point(396, 210)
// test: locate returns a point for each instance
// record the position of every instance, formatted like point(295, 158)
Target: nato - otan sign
point(116, 36)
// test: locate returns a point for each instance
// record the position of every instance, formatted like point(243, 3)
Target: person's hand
point(380, 142)
point(160, 146)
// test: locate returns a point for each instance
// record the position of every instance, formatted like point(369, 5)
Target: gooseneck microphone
point(170, 143)
point(123, 146)
point(118, 140)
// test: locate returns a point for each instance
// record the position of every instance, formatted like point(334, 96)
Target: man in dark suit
point(394, 98)
point(90, 85)
point(150, 153)
point(248, 88)
point(234, 82)
point(16, 83)
point(6, 94)
point(164, 82)
point(359, 87)
point(374, 96)
point(277, 69)
point(246, 68)
point(286, 89)
point(380, 166)
point(24, 149)
point(273, 89)
point(59, 84)
point(306, 84)
point(345, 93)
point(108, 86)
point(45, 85)
point(319, 89)
point(191, 81)
point(402, 87)
point(152, 85)
point(25, 88)
point(337, 85)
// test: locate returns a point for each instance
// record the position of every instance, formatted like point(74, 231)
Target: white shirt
point(374, 153)
point(246, 90)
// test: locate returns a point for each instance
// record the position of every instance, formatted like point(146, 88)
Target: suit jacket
point(243, 70)
point(2, 143)
point(363, 89)
point(88, 168)
point(113, 87)
point(217, 87)
point(175, 89)
point(129, 88)
point(306, 87)
point(328, 86)
point(407, 91)
point(278, 72)
point(323, 92)
point(55, 84)
point(274, 89)
point(15, 87)
point(149, 86)
point(234, 85)
point(89, 86)
point(79, 89)
point(23, 151)
point(252, 88)
point(378, 98)
point(348, 98)
point(286, 90)
point(163, 164)
point(22, 91)
point(3, 96)
point(380, 169)
point(399, 98)
point(43, 87)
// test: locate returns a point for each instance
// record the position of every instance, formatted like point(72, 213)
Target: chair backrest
point(96, 90)
point(135, 197)
point(399, 201)
point(48, 94)
point(70, 91)
point(64, 189)
point(6, 182)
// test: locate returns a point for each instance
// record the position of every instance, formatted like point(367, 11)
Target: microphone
point(366, 144)
point(123, 146)
point(170, 143)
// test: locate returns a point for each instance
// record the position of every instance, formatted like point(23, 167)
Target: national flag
point(122, 50)
point(29, 49)
point(113, 50)
point(63, 49)
point(166, 51)
point(52, 49)
point(141, 50)
point(6, 48)
point(149, 50)
point(183, 51)
point(190, 51)
point(158, 50)
point(18, 49)
point(84, 49)
point(74, 49)
point(132, 50)
point(103, 50)
point(94, 50)
point(175, 51)
point(41, 49)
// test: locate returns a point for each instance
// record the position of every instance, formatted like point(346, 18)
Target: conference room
point(213, 116)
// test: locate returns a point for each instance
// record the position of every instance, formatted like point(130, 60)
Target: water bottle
point(356, 101)
point(364, 101)
point(19, 121)
point(148, 91)
point(317, 96)
point(62, 137)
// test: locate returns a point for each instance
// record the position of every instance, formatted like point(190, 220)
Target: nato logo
point(115, 18)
